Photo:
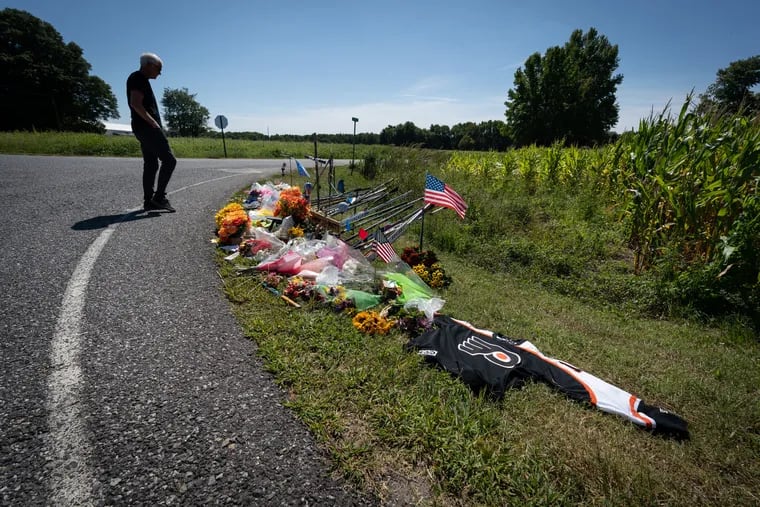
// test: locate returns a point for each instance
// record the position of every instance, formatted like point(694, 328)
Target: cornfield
point(686, 183)
point(682, 190)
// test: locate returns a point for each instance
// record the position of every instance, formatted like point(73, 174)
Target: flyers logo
point(490, 351)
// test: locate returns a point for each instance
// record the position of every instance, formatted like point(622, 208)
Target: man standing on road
point(146, 125)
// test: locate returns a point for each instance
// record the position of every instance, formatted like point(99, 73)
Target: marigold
point(231, 207)
point(292, 203)
point(233, 225)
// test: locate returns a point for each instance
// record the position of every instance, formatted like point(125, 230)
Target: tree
point(464, 135)
point(569, 93)
point(45, 83)
point(183, 114)
point(406, 134)
point(732, 90)
point(492, 135)
point(438, 137)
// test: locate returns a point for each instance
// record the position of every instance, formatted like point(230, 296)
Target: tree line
point(483, 136)
point(567, 95)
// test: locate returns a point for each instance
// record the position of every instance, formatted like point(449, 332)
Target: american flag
point(383, 247)
point(440, 194)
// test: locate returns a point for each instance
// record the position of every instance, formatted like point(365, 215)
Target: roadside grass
point(415, 435)
point(409, 432)
point(69, 144)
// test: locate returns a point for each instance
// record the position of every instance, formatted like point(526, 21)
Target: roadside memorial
point(279, 234)
point(298, 255)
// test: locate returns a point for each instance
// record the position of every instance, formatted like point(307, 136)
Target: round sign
point(220, 122)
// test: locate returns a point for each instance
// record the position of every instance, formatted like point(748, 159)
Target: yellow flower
point(436, 281)
point(422, 272)
point(371, 322)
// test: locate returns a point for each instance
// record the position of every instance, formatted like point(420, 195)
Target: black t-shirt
point(138, 81)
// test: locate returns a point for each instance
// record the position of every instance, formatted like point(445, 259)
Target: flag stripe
point(383, 248)
point(440, 194)
point(385, 252)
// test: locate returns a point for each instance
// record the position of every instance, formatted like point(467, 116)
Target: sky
point(297, 67)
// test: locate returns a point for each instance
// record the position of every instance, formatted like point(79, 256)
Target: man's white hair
point(147, 58)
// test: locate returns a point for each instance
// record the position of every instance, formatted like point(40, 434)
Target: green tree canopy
point(183, 114)
point(403, 134)
point(45, 83)
point(568, 93)
point(487, 135)
point(732, 90)
point(438, 137)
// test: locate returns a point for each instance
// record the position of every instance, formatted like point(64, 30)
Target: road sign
point(221, 122)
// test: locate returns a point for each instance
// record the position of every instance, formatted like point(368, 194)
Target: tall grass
point(545, 215)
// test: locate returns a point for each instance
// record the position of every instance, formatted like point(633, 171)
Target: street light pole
point(353, 155)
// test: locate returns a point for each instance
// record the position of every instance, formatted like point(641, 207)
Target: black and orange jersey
point(487, 360)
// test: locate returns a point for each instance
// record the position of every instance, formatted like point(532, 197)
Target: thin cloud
point(430, 98)
point(428, 88)
point(373, 116)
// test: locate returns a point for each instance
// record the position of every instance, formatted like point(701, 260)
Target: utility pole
point(316, 166)
point(353, 155)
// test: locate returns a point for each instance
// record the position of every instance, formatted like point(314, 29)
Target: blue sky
point(297, 67)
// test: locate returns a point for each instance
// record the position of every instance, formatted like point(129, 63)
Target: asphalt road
point(125, 380)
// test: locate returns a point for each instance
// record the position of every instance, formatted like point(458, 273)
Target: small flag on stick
point(440, 194)
point(302, 169)
point(383, 247)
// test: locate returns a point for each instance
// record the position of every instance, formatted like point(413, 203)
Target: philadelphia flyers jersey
point(487, 360)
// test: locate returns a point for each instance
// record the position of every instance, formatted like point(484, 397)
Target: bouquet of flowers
point(305, 290)
point(233, 206)
point(292, 203)
point(371, 322)
point(250, 247)
point(338, 299)
point(426, 265)
point(232, 222)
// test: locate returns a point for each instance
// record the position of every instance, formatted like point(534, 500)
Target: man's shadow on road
point(104, 221)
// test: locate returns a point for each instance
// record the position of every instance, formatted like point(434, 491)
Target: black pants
point(155, 147)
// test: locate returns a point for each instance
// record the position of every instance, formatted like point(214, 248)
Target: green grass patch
point(405, 430)
point(414, 434)
point(70, 144)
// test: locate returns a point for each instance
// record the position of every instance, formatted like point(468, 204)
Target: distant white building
point(117, 129)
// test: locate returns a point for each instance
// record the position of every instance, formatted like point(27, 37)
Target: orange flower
point(232, 222)
point(291, 203)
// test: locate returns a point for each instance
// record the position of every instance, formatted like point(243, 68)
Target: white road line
point(71, 478)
